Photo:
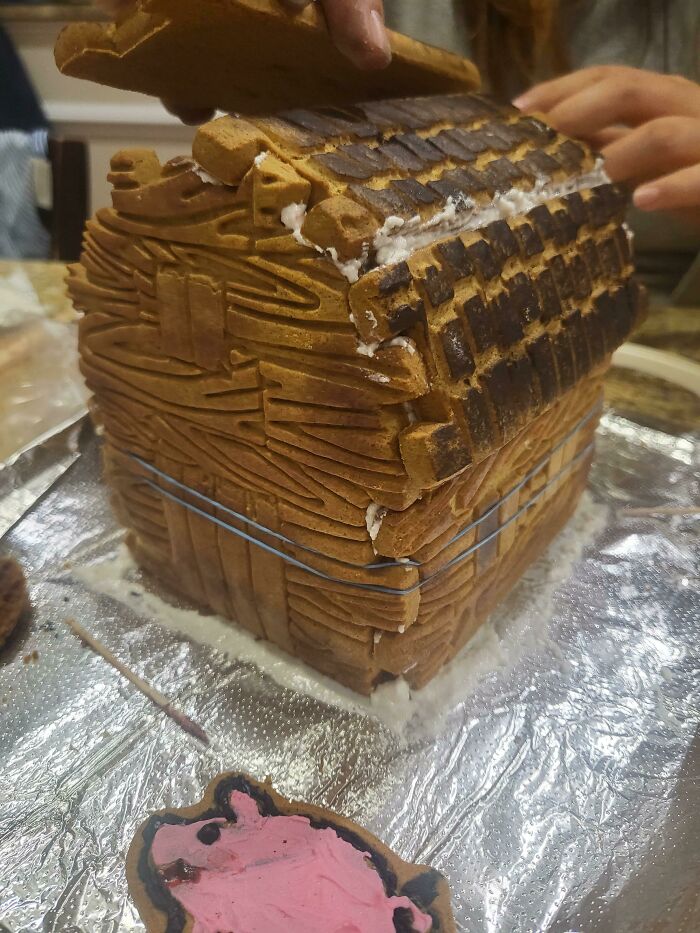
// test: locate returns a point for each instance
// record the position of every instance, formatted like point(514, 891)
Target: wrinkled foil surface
point(556, 783)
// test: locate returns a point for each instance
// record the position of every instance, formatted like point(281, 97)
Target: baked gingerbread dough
point(14, 598)
point(237, 852)
point(380, 333)
point(246, 56)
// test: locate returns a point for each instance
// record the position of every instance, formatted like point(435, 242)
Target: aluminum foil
point(32, 471)
point(552, 773)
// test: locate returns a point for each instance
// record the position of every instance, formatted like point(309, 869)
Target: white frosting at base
point(260, 157)
point(517, 628)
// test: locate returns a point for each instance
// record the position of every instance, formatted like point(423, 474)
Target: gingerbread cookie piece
point(246, 56)
point(247, 859)
point(14, 599)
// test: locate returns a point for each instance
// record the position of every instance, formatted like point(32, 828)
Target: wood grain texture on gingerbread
point(361, 330)
point(246, 56)
point(245, 846)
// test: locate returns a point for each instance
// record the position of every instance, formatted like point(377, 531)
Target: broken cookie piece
point(14, 598)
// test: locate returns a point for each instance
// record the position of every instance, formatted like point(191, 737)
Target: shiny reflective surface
point(560, 792)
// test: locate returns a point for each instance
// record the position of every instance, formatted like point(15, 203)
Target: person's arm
point(647, 126)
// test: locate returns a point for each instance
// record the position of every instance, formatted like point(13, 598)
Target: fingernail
point(377, 35)
point(646, 197)
point(522, 102)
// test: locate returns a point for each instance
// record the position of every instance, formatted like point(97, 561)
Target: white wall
point(106, 118)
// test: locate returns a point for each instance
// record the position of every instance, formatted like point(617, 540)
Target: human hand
point(646, 125)
point(357, 29)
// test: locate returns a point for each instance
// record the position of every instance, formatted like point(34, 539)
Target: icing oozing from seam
point(293, 217)
point(374, 518)
point(274, 874)
point(398, 239)
point(208, 179)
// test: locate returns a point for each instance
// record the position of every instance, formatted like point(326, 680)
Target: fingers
point(357, 28)
point(586, 102)
point(599, 141)
point(624, 100)
point(543, 97)
point(661, 146)
point(679, 191)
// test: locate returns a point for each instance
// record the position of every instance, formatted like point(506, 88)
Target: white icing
point(404, 342)
point(293, 217)
point(368, 349)
point(370, 317)
point(373, 519)
point(410, 412)
point(351, 268)
point(402, 629)
point(378, 377)
point(206, 177)
point(463, 215)
point(260, 157)
point(377, 637)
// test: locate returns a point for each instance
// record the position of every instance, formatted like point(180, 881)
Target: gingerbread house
point(348, 363)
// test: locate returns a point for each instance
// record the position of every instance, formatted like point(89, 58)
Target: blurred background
point(59, 133)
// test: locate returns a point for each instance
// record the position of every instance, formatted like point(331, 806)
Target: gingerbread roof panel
point(246, 56)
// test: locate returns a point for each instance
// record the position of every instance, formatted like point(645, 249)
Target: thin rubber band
point(371, 587)
point(383, 565)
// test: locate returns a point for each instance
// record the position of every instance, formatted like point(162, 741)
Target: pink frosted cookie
point(245, 860)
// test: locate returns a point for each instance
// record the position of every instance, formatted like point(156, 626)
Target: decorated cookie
point(247, 860)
